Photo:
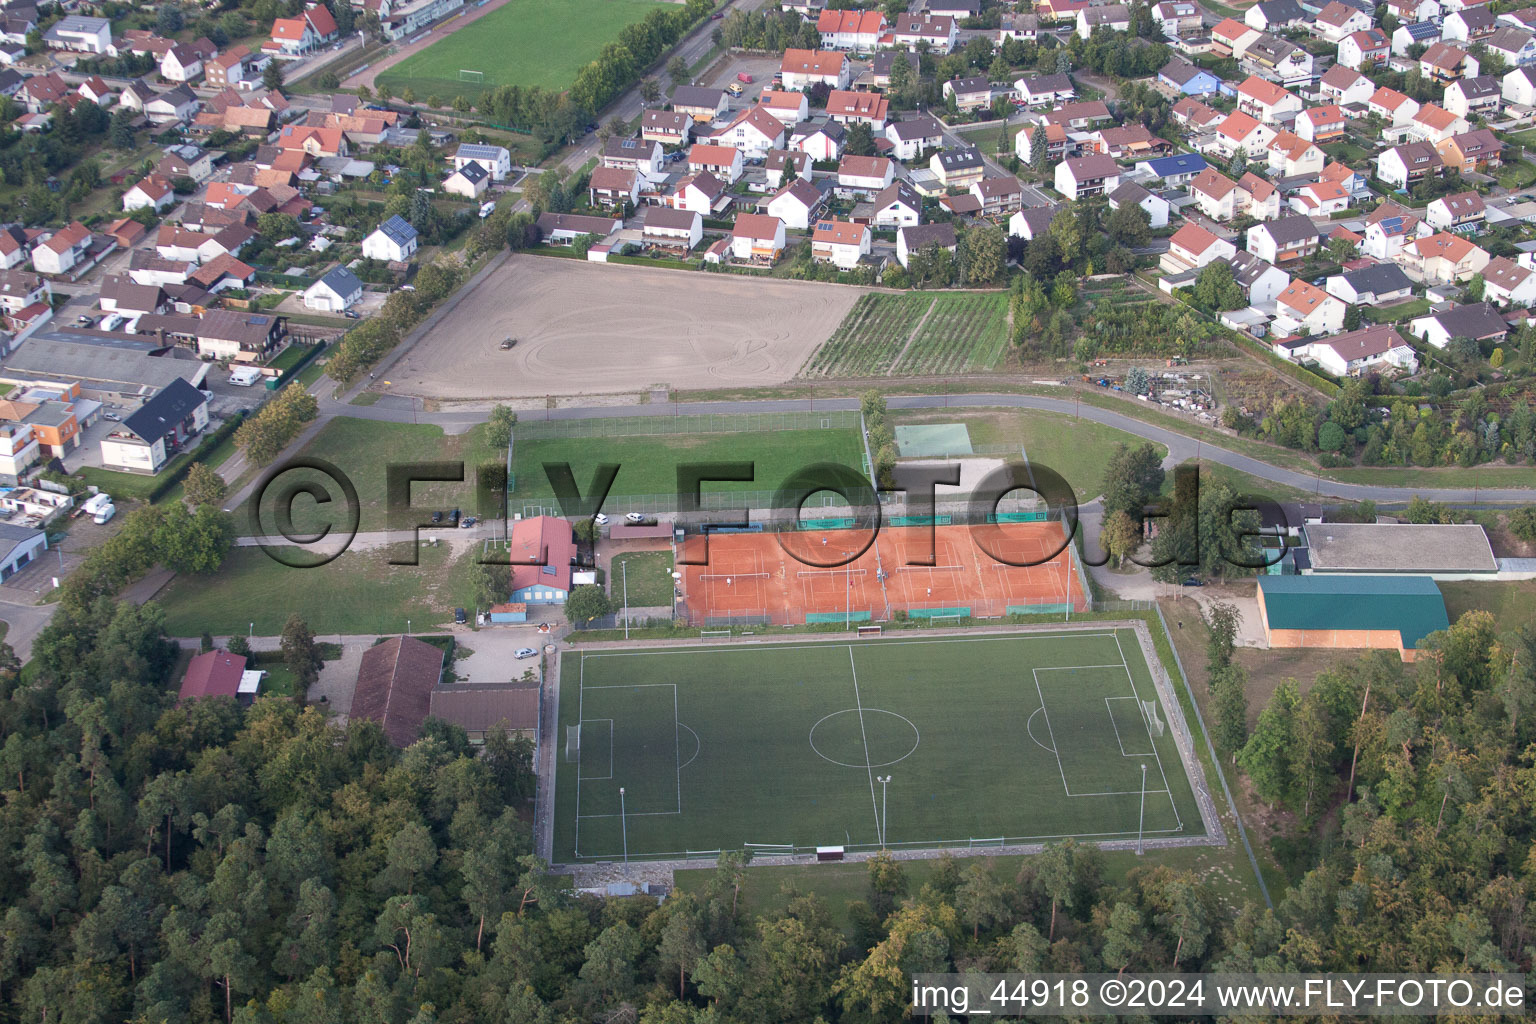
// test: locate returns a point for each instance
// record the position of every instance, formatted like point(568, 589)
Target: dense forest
point(203, 862)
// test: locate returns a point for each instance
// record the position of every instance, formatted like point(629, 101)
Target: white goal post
point(573, 742)
point(1154, 724)
point(469, 75)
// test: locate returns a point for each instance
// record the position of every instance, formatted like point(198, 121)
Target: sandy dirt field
point(585, 328)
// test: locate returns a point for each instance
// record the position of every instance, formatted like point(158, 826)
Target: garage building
point(1376, 612)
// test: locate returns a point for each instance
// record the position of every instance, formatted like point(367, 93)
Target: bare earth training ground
point(589, 329)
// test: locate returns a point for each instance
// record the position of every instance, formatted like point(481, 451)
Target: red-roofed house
point(757, 237)
point(1306, 309)
point(1267, 101)
point(152, 191)
point(1443, 258)
point(1360, 50)
point(839, 242)
point(212, 674)
point(1240, 132)
point(1192, 247)
point(1290, 155)
point(394, 686)
point(542, 550)
point(868, 107)
point(1321, 124)
point(850, 29)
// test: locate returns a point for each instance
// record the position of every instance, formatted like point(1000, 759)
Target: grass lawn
point(364, 449)
point(1513, 603)
point(1077, 449)
point(524, 42)
point(1347, 151)
point(1395, 313)
point(289, 357)
point(1517, 174)
point(648, 464)
point(1030, 737)
point(649, 580)
point(360, 592)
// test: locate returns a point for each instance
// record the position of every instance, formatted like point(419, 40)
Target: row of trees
point(264, 435)
point(366, 343)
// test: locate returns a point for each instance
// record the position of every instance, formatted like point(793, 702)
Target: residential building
point(337, 290)
point(898, 205)
point(676, 230)
point(960, 167)
point(1507, 283)
point(1192, 247)
point(1377, 284)
point(565, 228)
point(1392, 106)
point(1388, 228)
point(1177, 18)
point(1321, 124)
point(495, 159)
point(1467, 97)
point(613, 186)
point(1173, 171)
point(802, 69)
point(757, 237)
point(1519, 87)
point(1304, 308)
point(969, 93)
point(230, 69)
point(1468, 26)
point(998, 195)
point(1478, 321)
point(1516, 47)
point(704, 104)
point(469, 181)
point(1360, 50)
point(839, 242)
point(394, 241)
point(1291, 156)
point(181, 64)
point(213, 673)
point(153, 191)
point(798, 204)
point(1459, 212)
point(788, 108)
point(1188, 79)
point(1443, 62)
point(911, 138)
point(1045, 90)
point(642, 155)
point(1085, 176)
point(1443, 258)
point(1435, 124)
point(823, 141)
point(937, 30)
point(702, 193)
point(1343, 87)
point(1155, 206)
point(149, 436)
point(1411, 34)
point(1267, 101)
point(864, 175)
point(62, 250)
point(1232, 38)
point(669, 127)
point(1241, 133)
point(1105, 18)
point(239, 336)
point(1262, 281)
point(1032, 223)
point(1283, 240)
point(852, 29)
point(1355, 352)
point(1406, 165)
point(752, 132)
point(1337, 20)
point(1274, 15)
point(1320, 199)
point(80, 33)
point(721, 161)
point(1215, 194)
point(1478, 150)
point(780, 163)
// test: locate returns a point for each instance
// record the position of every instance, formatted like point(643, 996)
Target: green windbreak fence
point(827, 524)
point(1017, 517)
point(939, 613)
point(920, 520)
point(812, 618)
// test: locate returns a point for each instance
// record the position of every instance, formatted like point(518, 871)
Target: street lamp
point(624, 825)
point(1142, 820)
point(883, 779)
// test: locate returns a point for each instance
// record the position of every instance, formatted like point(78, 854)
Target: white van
point(106, 513)
point(111, 322)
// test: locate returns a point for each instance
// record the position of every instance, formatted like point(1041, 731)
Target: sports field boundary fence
point(1173, 718)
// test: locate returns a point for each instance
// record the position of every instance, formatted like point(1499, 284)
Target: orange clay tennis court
point(943, 571)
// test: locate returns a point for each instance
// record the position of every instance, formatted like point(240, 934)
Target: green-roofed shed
point(1390, 612)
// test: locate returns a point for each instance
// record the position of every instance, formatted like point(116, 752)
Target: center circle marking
point(867, 712)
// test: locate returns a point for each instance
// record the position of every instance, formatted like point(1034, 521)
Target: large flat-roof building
point(1352, 612)
point(1455, 551)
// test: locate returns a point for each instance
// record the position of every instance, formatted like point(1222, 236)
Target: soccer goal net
point(1154, 724)
point(467, 75)
point(572, 742)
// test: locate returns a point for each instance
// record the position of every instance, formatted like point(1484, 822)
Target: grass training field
point(915, 333)
point(984, 740)
point(524, 42)
point(648, 464)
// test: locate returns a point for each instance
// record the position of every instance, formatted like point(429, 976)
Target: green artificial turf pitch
point(985, 740)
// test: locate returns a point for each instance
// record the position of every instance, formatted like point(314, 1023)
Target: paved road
point(398, 410)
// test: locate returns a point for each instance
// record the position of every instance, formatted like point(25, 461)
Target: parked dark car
point(460, 616)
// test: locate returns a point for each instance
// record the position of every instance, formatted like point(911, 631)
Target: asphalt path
point(392, 409)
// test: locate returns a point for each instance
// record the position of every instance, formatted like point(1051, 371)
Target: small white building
point(395, 241)
point(797, 204)
point(62, 250)
point(469, 181)
point(1352, 353)
point(152, 191)
point(495, 159)
point(666, 228)
point(1084, 176)
point(338, 290)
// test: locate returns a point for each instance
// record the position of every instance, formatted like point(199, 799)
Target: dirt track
point(590, 329)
